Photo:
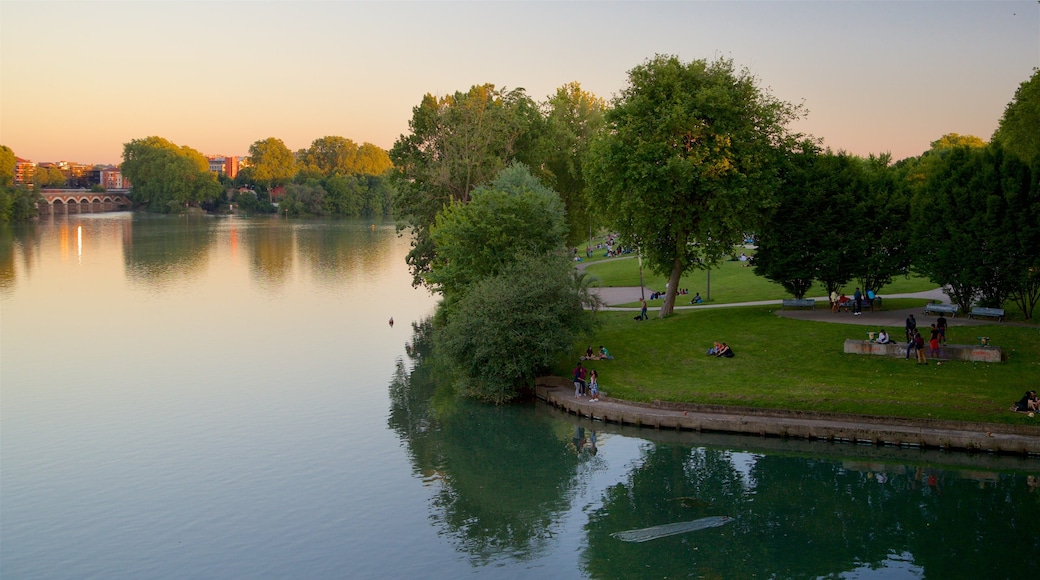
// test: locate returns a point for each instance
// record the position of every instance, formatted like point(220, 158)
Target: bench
point(932, 308)
point(798, 303)
point(997, 313)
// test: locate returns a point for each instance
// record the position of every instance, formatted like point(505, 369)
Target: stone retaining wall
point(1025, 439)
point(967, 352)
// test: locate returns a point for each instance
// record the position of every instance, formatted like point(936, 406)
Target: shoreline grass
point(799, 365)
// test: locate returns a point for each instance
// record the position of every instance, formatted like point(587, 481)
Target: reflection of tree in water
point(270, 252)
point(502, 475)
point(806, 518)
point(23, 238)
point(338, 249)
point(158, 251)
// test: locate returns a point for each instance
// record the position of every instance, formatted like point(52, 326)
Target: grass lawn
point(799, 365)
point(730, 282)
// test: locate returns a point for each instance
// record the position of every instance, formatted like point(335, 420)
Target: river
point(225, 397)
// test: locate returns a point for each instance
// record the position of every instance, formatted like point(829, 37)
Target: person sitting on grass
point(696, 299)
point(589, 354)
point(1028, 403)
point(714, 349)
point(725, 351)
point(604, 354)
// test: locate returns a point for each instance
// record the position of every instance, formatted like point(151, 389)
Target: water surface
point(224, 397)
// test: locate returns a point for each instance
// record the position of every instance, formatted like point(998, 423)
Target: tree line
point(334, 176)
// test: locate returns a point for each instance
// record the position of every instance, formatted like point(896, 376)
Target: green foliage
point(165, 176)
point(513, 216)
point(7, 166)
point(271, 162)
point(574, 118)
point(1019, 128)
point(685, 167)
point(308, 199)
point(18, 204)
point(511, 326)
point(49, 176)
point(456, 143)
point(976, 222)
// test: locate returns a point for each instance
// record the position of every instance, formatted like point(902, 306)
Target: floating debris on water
point(652, 533)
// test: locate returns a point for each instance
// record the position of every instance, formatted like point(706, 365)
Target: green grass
point(731, 282)
point(800, 365)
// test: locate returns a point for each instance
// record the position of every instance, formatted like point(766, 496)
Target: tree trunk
point(673, 289)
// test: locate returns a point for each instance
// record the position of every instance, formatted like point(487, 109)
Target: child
point(593, 387)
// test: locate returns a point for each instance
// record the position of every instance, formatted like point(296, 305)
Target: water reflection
point(501, 474)
point(162, 251)
point(798, 509)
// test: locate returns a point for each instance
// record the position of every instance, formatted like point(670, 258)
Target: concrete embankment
point(559, 392)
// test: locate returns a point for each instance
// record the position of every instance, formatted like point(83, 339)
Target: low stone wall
point(967, 352)
point(559, 392)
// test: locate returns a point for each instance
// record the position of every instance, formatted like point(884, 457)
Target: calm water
point(224, 398)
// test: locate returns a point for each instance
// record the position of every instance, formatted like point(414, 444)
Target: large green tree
point(573, 118)
point(513, 215)
point(165, 176)
point(807, 235)
point(271, 162)
point(686, 165)
point(1019, 128)
point(976, 224)
point(455, 143)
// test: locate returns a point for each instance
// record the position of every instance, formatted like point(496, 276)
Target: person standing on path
point(642, 310)
point(941, 325)
point(857, 303)
point(579, 381)
point(834, 301)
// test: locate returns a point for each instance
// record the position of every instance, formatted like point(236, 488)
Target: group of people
point(581, 388)
point(602, 354)
point(843, 302)
point(720, 349)
point(915, 340)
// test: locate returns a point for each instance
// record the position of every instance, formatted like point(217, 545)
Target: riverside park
point(792, 359)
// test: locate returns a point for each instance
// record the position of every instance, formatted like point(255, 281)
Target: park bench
point(798, 303)
point(932, 308)
point(997, 313)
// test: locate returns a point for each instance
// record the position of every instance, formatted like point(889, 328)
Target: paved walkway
point(891, 319)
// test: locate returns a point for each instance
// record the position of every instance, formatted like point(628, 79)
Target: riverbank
point(949, 435)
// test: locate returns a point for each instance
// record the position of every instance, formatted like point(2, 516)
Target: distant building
point(24, 171)
point(224, 165)
point(111, 177)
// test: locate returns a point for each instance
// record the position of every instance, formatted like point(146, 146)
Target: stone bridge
point(70, 201)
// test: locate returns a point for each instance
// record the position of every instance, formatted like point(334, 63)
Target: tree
point(332, 155)
point(510, 327)
point(372, 160)
point(574, 117)
point(7, 166)
point(879, 243)
point(685, 166)
point(167, 177)
point(513, 216)
point(1019, 128)
point(272, 163)
point(807, 235)
point(456, 142)
point(48, 176)
point(307, 199)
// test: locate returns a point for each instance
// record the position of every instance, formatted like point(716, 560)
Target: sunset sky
point(79, 79)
